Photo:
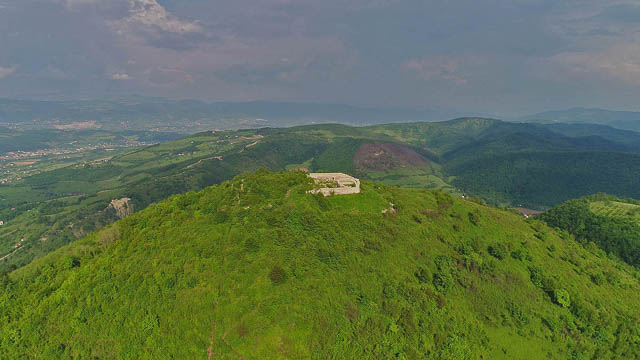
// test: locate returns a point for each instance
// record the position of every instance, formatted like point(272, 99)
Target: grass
point(615, 209)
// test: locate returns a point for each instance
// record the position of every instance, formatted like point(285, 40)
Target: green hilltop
point(257, 268)
point(536, 166)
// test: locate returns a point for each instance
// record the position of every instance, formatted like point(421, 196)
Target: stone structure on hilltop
point(338, 184)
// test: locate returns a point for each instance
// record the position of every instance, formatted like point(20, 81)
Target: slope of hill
point(611, 222)
point(257, 268)
point(517, 164)
point(627, 120)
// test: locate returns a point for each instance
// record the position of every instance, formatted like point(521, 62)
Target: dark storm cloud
point(499, 56)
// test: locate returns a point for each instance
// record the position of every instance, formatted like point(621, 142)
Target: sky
point(505, 57)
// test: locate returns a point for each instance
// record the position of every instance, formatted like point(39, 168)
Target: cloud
point(148, 15)
point(436, 68)
point(6, 71)
point(464, 53)
point(619, 62)
point(121, 76)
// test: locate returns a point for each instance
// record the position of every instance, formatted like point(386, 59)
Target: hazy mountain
point(628, 120)
point(190, 116)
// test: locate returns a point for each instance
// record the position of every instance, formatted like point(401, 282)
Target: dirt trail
point(10, 254)
point(201, 160)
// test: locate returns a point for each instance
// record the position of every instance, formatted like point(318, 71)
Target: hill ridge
point(303, 276)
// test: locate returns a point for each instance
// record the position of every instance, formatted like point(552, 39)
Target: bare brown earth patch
point(386, 156)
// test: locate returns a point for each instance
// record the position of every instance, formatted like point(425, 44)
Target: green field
point(615, 209)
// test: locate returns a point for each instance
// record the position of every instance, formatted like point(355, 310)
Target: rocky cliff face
point(122, 207)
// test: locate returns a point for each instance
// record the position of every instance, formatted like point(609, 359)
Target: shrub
point(442, 281)
point(69, 262)
point(498, 251)
point(520, 254)
point(536, 276)
point(473, 261)
point(473, 218)
point(562, 298)
point(518, 316)
point(598, 278)
point(423, 275)
point(277, 275)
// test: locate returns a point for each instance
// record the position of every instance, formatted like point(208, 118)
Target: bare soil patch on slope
point(386, 156)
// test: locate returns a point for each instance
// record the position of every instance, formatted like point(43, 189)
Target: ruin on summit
point(337, 184)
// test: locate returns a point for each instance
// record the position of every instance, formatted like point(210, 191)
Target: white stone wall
point(346, 184)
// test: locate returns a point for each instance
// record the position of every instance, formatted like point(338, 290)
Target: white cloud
point(120, 76)
point(150, 14)
point(6, 71)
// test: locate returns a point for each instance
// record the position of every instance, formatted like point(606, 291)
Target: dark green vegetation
point(190, 116)
point(519, 164)
point(628, 120)
point(610, 222)
point(525, 164)
point(256, 268)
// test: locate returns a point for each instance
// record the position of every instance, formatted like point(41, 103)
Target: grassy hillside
point(611, 222)
point(519, 164)
point(256, 268)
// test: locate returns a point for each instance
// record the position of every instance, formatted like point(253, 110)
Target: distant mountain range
point(191, 116)
point(627, 120)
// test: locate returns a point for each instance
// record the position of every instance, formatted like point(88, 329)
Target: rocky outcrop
point(122, 207)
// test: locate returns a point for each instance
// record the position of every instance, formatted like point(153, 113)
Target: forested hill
point(256, 268)
point(531, 165)
point(610, 222)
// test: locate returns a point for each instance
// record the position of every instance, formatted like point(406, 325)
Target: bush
point(598, 278)
point(520, 254)
point(562, 298)
point(443, 279)
point(473, 218)
point(498, 251)
point(277, 275)
point(423, 275)
point(69, 262)
point(536, 276)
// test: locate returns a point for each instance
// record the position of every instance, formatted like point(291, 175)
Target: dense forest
point(610, 222)
point(258, 268)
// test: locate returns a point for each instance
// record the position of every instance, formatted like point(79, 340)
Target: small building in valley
point(335, 184)
point(527, 212)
